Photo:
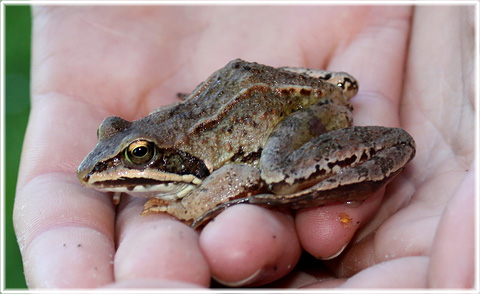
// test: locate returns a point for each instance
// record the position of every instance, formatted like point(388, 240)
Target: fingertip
point(151, 284)
point(155, 247)
point(69, 257)
point(250, 245)
point(325, 231)
point(65, 233)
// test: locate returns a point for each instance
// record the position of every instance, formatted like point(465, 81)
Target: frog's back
point(228, 117)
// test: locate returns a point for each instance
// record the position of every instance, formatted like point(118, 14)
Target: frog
point(250, 133)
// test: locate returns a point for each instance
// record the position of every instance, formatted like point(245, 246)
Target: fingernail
point(334, 255)
point(247, 281)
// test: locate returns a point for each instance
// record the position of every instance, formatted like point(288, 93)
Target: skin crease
point(89, 63)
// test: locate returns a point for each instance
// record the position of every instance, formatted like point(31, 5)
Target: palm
point(128, 63)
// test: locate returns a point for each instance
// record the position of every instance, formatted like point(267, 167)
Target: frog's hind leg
point(294, 132)
point(338, 165)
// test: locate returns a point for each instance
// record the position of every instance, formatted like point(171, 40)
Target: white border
point(243, 3)
point(238, 2)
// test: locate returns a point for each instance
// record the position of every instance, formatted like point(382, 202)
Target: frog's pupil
point(140, 151)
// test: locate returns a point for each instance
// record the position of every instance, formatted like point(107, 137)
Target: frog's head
point(128, 158)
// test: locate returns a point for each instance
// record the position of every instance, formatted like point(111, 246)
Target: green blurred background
point(17, 107)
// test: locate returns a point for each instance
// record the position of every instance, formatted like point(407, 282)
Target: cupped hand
point(90, 63)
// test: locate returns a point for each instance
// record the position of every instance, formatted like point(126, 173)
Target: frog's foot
point(116, 197)
point(174, 208)
point(229, 185)
point(155, 205)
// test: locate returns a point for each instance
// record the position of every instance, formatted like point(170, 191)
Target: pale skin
point(90, 63)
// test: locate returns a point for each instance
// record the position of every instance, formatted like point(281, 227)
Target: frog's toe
point(174, 208)
point(155, 205)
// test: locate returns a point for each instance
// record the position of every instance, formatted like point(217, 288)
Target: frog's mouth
point(144, 183)
point(146, 188)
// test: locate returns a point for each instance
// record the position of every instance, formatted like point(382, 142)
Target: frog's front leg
point(335, 166)
point(230, 184)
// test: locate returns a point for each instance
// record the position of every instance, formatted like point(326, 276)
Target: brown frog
point(250, 133)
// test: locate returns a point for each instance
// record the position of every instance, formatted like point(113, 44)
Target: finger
point(65, 235)
point(366, 249)
point(325, 231)
point(157, 246)
point(407, 272)
point(454, 244)
point(151, 284)
point(379, 72)
point(248, 245)
point(65, 232)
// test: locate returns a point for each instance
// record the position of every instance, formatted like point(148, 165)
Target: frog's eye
point(140, 152)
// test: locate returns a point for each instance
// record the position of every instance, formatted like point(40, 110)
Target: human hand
point(92, 63)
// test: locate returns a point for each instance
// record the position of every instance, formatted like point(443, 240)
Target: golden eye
point(140, 152)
